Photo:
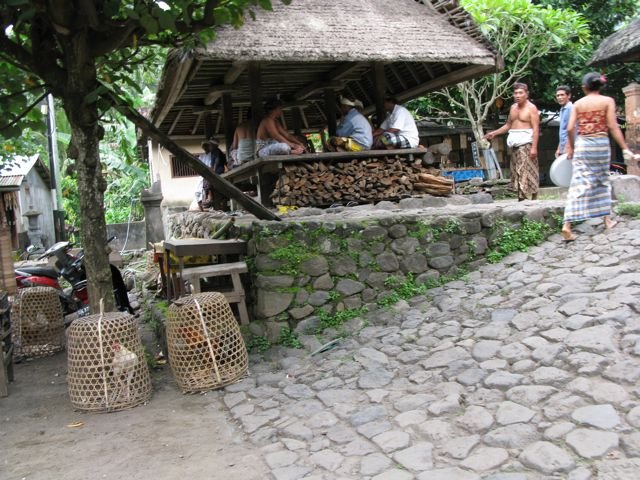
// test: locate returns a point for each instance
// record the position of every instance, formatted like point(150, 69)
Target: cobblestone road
point(528, 370)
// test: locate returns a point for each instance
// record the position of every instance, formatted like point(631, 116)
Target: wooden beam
point(394, 70)
point(297, 120)
point(380, 85)
point(456, 76)
point(227, 114)
point(219, 184)
point(330, 108)
point(216, 92)
point(255, 91)
point(175, 121)
point(235, 71)
point(197, 124)
point(304, 118)
point(413, 73)
point(334, 79)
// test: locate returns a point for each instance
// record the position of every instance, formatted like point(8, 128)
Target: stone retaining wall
point(305, 265)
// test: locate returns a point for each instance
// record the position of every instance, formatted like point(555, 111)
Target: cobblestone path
point(527, 370)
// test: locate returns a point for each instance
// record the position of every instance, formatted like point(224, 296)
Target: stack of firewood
point(323, 183)
point(434, 185)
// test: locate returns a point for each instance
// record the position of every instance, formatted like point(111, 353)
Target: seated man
point(272, 138)
point(244, 145)
point(398, 130)
point(354, 132)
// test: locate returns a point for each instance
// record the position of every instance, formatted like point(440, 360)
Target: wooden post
point(380, 85)
point(255, 90)
point(297, 120)
point(227, 112)
point(209, 129)
point(331, 111)
point(632, 113)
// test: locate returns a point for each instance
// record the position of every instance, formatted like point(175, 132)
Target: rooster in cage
point(123, 367)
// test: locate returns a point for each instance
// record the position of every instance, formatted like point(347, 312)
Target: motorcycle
point(75, 300)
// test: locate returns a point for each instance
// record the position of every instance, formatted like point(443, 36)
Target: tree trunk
point(93, 229)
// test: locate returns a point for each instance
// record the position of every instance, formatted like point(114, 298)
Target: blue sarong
point(590, 190)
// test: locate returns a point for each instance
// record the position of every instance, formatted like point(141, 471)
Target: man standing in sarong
point(523, 126)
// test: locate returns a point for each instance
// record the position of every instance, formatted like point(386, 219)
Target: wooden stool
point(193, 275)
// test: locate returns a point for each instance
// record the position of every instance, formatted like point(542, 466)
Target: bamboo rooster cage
point(38, 322)
point(107, 368)
point(205, 346)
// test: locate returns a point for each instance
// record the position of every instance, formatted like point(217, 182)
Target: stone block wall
point(301, 267)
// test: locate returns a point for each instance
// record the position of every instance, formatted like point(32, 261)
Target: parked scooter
point(75, 300)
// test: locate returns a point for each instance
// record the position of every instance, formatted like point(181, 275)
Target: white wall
point(175, 191)
point(36, 195)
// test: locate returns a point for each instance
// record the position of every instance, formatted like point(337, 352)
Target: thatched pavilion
point(308, 53)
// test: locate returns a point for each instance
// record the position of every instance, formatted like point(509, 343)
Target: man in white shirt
point(398, 130)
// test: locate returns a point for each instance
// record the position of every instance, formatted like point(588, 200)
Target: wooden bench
point(193, 276)
point(262, 173)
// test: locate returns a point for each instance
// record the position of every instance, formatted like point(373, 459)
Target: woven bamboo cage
point(206, 348)
point(107, 368)
point(38, 322)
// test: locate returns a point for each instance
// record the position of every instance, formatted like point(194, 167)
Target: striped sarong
point(590, 190)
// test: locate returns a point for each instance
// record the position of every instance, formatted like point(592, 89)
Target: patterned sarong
point(272, 147)
point(590, 191)
point(525, 177)
point(394, 140)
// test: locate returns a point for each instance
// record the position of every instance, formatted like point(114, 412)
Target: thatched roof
point(311, 45)
point(620, 47)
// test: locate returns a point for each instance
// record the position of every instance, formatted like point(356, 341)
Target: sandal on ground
point(568, 237)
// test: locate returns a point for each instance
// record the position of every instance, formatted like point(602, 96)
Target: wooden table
point(196, 247)
point(262, 173)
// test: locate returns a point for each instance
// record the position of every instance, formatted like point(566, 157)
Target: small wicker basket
point(38, 322)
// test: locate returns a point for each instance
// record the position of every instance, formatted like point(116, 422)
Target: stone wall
point(305, 265)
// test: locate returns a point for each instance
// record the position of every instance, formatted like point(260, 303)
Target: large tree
point(76, 50)
point(521, 32)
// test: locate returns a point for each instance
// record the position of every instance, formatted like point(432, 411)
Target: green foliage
point(521, 32)
point(629, 208)
point(258, 343)
point(338, 319)
point(517, 239)
point(409, 288)
point(603, 19)
point(288, 338)
point(292, 255)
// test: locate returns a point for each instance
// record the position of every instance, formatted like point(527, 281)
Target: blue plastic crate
point(462, 175)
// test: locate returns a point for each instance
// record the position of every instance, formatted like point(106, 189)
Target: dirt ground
point(174, 436)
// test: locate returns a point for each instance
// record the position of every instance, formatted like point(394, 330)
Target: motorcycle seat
point(38, 271)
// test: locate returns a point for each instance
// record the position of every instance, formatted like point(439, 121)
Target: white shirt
point(401, 119)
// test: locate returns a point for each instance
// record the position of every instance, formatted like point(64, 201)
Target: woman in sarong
point(594, 117)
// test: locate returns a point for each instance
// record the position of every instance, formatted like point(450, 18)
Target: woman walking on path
point(594, 116)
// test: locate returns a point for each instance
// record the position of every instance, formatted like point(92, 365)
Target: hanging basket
point(38, 322)
point(206, 348)
point(107, 368)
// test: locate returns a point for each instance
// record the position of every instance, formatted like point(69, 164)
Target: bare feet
point(609, 224)
point(568, 236)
